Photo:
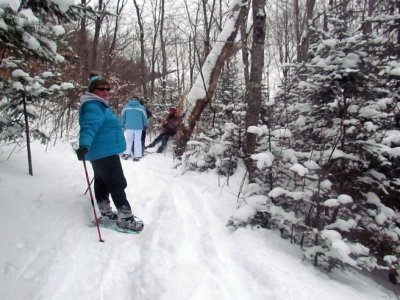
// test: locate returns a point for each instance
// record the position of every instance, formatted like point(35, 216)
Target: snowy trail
point(185, 251)
point(179, 245)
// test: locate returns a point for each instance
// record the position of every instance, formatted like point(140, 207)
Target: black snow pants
point(109, 179)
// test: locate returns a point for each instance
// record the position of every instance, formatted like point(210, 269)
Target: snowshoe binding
point(131, 223)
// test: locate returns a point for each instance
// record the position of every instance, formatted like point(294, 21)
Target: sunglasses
point(103, 89)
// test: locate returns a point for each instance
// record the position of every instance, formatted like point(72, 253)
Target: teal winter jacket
point(100, 128)
point(134, 115)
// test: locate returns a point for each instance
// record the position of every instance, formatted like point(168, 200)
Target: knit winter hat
point(96, 80)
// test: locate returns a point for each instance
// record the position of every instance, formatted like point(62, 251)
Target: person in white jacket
point(134, 120)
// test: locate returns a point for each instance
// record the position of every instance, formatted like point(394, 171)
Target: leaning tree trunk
point(204, 87)
point(255, 83)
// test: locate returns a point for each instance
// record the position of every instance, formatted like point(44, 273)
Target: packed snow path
point(184, 252)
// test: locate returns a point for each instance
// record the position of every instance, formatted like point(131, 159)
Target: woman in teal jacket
point(101, 140)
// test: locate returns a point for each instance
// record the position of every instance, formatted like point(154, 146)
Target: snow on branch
point(202, 82)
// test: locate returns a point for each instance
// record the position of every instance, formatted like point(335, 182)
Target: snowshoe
point(132, 223)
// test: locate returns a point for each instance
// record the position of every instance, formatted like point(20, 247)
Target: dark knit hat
point(95, 80)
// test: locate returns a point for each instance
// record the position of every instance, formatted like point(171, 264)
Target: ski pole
point(90, 184)
point(91, 200)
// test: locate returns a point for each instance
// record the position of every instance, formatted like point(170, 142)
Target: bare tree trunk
point(220, 14)
point(304, 42)
point(297, 29)
point(398, 25)
point(178, 68)
point(195, 102)
point(207, 27)
point(163, 54)
point(142, 50)
point(110, 51)
point(194, 51)
point(207, 42)
point(83, 45)
point(154, 50)
point(245, 50)
point(191, 60)
point(96, 36)
point(284, 41)
point(367, 25)
point(255, 83)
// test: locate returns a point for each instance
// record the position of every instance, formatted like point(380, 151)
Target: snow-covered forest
point(303, 93)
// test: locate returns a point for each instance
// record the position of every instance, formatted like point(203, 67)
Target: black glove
point(81, 152)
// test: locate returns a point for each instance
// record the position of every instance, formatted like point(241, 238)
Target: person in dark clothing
point(101, 140)
point(170, 127)
point(149, 115)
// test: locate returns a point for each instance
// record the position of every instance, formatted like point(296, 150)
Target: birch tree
point(204, 87)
